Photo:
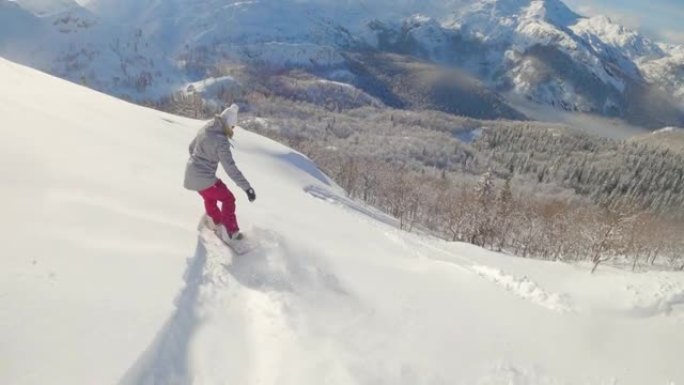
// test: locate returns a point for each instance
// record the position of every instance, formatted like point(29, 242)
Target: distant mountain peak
point(47, 7)
point(500, 21)
point(632, 44)
point(552, 11)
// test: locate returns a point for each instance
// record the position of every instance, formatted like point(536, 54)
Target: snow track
point(527, 289)
point(659, 298)
point(236, 320)
point(229, 318)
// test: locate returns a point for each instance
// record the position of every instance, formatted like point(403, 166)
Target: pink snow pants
point(226, 215)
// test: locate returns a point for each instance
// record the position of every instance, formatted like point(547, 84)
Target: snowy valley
point(537, 50)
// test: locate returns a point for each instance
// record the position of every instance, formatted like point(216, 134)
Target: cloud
point(673, 36)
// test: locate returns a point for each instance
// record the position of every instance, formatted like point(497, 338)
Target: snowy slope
point(104, 279)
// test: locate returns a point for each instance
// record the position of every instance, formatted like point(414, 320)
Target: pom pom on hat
point(229, 115)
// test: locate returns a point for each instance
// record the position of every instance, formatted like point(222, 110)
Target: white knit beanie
point(229, 115)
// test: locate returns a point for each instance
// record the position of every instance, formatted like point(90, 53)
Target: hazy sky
point(661, 19)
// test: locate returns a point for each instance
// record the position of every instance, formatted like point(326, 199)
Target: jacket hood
point(214, 125)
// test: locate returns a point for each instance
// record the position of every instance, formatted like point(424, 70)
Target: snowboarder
point(210, 147)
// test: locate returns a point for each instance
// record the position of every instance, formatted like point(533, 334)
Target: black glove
point(250, 194)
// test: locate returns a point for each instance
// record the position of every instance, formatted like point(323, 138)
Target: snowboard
point(241, 245)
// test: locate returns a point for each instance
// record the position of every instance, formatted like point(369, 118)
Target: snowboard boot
point(227, 236)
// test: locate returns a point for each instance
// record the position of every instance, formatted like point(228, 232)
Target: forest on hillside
point(527, 188)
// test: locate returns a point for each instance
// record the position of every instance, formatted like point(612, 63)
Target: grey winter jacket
point(210, 147)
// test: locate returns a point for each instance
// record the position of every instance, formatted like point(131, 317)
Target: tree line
point(552, 199)
point(529, 189)
point(492, 213)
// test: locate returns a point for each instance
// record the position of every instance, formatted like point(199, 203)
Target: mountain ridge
point(538, 49)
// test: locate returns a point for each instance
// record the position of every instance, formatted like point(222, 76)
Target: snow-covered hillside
point(105, 280)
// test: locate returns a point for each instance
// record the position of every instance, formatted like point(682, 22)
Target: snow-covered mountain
point(542, 50)
point(17, 27)
point(536, 49)
point(69, 41)
point(104, 278)
point(47, 7)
